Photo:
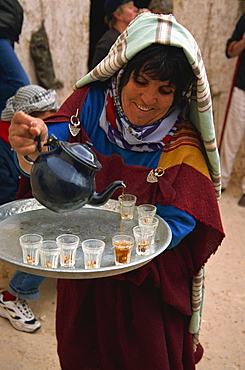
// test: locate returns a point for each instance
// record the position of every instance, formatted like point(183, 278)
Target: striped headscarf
point(147, 29)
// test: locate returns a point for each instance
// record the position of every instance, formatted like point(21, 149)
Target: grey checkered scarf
point(29, 99)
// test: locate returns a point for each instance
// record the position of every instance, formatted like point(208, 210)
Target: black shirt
point(103, 46)
point(11, 19)
point(237, 36)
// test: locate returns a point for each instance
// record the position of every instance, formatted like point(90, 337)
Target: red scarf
point(4, 131)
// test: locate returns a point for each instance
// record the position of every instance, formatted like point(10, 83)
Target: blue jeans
point(12, 74)
point(24, 285)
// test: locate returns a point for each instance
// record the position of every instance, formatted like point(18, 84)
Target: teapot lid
point(82, 153)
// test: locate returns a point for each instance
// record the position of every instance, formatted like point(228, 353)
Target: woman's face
point(144, 100)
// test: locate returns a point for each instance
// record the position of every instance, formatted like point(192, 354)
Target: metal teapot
point(63, 178)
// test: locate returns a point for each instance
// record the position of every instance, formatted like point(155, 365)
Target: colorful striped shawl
point(184, 147)
point(150, 28)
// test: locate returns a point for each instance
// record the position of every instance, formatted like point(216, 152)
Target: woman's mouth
point(144, 109)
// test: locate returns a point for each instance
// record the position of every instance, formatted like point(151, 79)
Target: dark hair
point(161, 62)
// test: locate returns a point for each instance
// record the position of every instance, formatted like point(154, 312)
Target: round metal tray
point(28, 216)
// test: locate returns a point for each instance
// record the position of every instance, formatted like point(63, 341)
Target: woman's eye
point(140, 82)
point(165, 92)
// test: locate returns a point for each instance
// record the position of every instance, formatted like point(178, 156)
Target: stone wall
point(67, 26)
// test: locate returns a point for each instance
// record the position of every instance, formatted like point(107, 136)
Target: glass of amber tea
point(123, 245)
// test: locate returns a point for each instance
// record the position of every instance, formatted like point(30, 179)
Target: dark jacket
point(103, 46)
point(11, 19)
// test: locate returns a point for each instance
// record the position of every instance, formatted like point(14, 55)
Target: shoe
point(19, 314)
point(242, 201)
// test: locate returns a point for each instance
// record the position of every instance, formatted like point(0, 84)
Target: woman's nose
point(149, 97)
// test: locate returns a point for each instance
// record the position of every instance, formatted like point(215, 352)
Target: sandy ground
point(223, 329)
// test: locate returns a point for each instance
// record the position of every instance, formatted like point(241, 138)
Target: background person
point(232, 135)
point(12, 74)
point(118, 14)
point(39, 102)
point(137, 122)
point(161, 6)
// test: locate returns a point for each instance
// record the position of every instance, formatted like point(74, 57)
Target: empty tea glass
point(143, 239)
point(127, 204)
point(146, 210)
point(123, 245)
point(149, 221)
point(30, 244)
point(68, 244)
point(93, 250)
point(49, 253)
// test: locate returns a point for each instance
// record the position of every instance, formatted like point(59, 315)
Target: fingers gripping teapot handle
point(52, 141)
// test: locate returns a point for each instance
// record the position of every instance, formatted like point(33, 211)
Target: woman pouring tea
point(146, 108)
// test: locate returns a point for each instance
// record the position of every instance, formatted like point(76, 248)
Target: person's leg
point(24, 285)
point(242, 199)
point(243, 185)
point(233, 135)
point(13, 305)
point(12, 74)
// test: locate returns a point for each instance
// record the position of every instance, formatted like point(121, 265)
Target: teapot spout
point(104, 196)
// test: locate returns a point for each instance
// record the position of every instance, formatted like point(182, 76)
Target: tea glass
point(30, 244)
point(93, 250)
point(127, 205)
point(49, 253)
point(143, 239)
point(68, 244)
point(123, 245)
point(146, 210)
point(149, 221)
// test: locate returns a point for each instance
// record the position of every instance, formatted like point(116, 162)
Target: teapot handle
point(52, 141)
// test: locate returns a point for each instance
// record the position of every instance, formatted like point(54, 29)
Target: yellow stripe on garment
point(185, 154)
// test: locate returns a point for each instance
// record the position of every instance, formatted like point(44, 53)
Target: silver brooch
point(74, 125)
point(154, 174)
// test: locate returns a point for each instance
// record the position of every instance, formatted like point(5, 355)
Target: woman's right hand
point(23, 133)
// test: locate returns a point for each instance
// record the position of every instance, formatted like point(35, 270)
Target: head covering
point(30, 98)
point(148, 29)
point(112, 5)
point(163, 6)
